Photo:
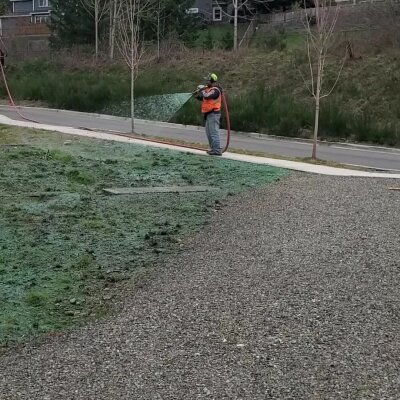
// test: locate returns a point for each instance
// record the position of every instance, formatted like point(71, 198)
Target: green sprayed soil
point(67, 250)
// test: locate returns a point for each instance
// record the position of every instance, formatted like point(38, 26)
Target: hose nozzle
point(198, 89)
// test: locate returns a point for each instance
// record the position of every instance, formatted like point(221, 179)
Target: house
point(217, 11)
point(220, 11)
point(26, 17)
point(24, 29)
point(37, 10)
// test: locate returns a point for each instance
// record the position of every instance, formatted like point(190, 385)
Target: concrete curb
point(310, 168)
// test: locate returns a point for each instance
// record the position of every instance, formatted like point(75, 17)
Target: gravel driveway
point(290, 292)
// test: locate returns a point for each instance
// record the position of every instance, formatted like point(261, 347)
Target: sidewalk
point(298, 166)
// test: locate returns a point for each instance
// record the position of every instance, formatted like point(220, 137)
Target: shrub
point(276, 41)
point(227, 41)
point(208, 41)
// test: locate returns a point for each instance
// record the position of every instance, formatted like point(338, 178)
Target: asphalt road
point(378, 158)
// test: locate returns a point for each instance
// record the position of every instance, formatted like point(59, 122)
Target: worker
point(211, 100)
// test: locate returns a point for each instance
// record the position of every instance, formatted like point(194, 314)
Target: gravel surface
point(291, 292)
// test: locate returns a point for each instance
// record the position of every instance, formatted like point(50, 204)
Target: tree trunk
point(235, 25)
point(110, 28)
point(133, 100)
point(113, 12)
point(132, 80)
point(316, 123)
point(158, 34)
point(96, 27)
point(317, 106)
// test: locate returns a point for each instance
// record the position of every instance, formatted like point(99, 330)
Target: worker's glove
point(198, 89)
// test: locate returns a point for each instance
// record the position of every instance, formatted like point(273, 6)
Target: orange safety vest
point(208, 105)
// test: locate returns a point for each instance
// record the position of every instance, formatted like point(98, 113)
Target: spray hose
point(10, 98)
point(228, 123)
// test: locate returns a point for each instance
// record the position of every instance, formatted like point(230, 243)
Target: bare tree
point(97, 9)
point(237, 5)
point(113, 11)
point(162, 14)
point(319, 30)
point(160, 17)
point(129, 41)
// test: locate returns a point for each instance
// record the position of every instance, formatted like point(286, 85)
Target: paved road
point(374, 157)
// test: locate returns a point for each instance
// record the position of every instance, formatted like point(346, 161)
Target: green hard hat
point(212, 77)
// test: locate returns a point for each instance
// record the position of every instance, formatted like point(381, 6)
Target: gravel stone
point(290, 292)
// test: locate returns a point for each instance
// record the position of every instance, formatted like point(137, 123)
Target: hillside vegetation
point(265, 89)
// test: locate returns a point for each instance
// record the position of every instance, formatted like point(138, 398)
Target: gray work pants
point(212, 131)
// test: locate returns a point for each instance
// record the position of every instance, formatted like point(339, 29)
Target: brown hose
point(9, 93)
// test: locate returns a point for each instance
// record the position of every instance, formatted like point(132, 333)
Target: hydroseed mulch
point(67, 249)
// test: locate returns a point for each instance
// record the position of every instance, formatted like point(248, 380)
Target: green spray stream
point(163, 108)
point(155, 108)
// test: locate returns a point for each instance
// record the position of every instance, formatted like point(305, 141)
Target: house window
point(192, 11)
point(217, 14)
point(43, 3)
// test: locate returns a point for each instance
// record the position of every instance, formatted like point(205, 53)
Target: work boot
point(214, 153)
